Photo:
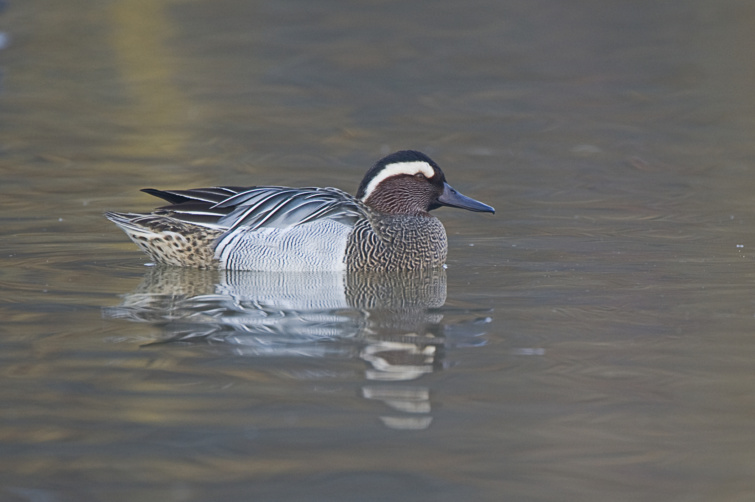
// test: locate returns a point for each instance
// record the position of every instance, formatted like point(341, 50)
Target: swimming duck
point(386, 227)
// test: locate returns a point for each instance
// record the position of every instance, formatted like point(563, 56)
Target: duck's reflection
point(392, 322)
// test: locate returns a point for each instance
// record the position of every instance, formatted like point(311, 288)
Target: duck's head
point(410, 182)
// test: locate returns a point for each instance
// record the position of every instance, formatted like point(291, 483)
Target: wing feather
point(250, 208)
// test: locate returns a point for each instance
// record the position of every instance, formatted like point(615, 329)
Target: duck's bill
point(452, 198)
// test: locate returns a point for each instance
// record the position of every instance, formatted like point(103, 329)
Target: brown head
point(409, 182)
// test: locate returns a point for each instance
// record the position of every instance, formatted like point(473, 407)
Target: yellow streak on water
point(140, 36)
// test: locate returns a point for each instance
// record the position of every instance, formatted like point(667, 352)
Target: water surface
point(592, 340)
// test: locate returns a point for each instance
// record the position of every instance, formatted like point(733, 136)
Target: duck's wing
point(212, 195)
point(250, 208)
point(196, 206)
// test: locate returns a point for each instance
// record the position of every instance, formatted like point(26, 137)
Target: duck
point(386, 227)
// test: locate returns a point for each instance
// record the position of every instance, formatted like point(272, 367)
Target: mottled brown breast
point(389, 243)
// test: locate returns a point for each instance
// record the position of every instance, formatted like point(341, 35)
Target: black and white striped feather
point(232, 208)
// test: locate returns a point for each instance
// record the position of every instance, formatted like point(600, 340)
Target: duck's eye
point(420, 176)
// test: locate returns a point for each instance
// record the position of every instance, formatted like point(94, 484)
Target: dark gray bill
point(452, 198)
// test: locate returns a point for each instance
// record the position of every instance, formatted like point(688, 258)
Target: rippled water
point(592, 340)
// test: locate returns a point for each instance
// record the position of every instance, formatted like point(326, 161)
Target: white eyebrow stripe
point(408, 168)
